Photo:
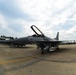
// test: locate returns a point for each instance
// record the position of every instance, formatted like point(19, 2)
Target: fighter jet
point(43, 42)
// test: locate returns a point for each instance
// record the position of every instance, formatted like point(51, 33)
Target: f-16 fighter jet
point(43, 42)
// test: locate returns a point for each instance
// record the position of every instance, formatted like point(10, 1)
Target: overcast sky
point(51, 16)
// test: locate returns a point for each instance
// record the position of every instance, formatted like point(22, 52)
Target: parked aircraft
point(42, 41)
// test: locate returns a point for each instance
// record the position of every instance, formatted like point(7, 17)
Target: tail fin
point(57, 36)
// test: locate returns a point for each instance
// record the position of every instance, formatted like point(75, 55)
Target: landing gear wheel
point(57, 49)
point(42, 52)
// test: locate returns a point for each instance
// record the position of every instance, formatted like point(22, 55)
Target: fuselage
point(29, 40)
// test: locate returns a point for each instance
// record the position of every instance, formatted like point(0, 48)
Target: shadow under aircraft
point(43, 42)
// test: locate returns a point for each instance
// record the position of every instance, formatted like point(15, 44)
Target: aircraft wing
point(51, 42)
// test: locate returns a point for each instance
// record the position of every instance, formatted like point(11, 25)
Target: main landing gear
point(47, 48)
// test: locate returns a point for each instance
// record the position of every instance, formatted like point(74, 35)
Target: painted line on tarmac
point(21, 59)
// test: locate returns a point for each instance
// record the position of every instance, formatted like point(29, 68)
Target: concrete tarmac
point(29, 61)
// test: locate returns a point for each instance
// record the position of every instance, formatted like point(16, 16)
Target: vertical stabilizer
point(57, 36)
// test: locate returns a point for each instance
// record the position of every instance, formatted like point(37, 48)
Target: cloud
point(50, 16)
point(11, 10)
point(72, 30)
point(7, 29)
point(3, 23)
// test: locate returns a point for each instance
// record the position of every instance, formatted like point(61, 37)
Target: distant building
point(5, 38)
